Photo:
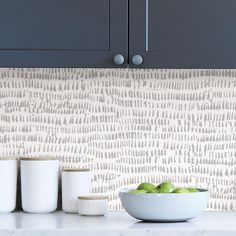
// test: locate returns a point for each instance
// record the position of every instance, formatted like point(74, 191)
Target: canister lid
point(75, 170)
point(39, 159)
point(8, 158)
point(93, 197)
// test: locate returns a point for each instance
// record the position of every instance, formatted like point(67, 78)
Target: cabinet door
point(63, 33)
point(183, 33)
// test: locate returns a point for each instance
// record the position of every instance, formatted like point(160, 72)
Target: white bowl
point(164, 207)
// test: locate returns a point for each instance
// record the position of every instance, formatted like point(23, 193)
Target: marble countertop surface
point(117, 223)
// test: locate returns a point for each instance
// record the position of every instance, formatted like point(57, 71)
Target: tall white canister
point(75, 182)
point(39, 184)
point(8, 184)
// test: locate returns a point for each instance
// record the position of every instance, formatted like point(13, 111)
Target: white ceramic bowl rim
point(126, 191)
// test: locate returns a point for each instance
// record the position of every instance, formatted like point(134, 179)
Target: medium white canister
point(39, 184)
point(8, 184)
point(75, 182)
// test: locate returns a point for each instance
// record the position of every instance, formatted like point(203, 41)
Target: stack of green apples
point(165, 187)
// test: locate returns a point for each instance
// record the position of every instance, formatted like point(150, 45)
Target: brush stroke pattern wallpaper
point(127, 126)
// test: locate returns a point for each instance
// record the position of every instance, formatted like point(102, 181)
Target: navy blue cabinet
point(182, 33)
point(63, 33)
point(118, 33)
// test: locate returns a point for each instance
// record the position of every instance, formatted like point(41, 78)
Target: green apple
point(134, 191)
point(146, 186)
point(166, 187)
point(193, 190)
point(155, 190)
point(181, 190)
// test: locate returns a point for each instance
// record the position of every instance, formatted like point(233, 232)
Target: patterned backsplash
point(127, 126)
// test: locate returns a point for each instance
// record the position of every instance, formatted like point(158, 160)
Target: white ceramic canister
point(75, 182)
point(39, 184)
point(92, 205)
point(8, 184)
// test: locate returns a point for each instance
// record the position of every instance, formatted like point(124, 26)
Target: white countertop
point(113, 224)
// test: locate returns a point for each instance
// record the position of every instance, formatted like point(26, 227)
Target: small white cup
point(74, 182)
point(92, 205)
point(8, 184)
point(39, 184)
